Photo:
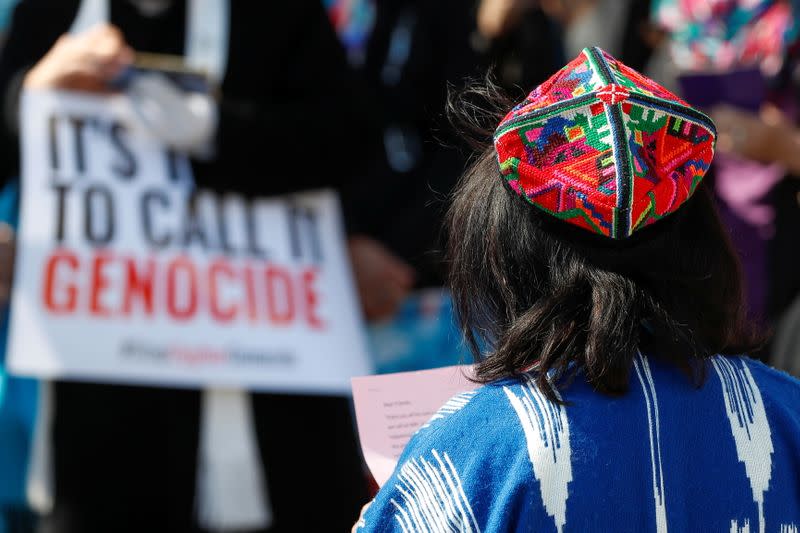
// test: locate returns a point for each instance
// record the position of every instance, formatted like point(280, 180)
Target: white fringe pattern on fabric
point(453, 405)
point(433, 498)
point(750, 427)
point(546, 429)
point(645, 375)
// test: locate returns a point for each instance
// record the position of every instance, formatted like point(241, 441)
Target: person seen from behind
point(603, 301)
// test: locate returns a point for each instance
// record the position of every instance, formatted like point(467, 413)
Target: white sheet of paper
point(390, 408)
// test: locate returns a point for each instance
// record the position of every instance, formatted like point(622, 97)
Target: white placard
point(124, 275)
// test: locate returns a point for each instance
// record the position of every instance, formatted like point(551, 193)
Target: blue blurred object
point(18, 399)
point(6, 8)
point(422, 335)
point(353, 21)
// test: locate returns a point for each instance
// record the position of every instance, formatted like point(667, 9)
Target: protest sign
point(390, 408)
point(125, 273)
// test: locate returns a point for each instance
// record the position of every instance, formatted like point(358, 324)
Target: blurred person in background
point(512, 30)
point(18, 396)
point(417, 49)
point(722, 39)
point(771, 137)
point(410, 52)
point(617, 26)
point(125, 457)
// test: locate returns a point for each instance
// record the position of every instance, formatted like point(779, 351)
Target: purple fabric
point(743, 187)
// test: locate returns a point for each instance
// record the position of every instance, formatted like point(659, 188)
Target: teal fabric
point(6, 7)
point(422, 335)
point(17, 399)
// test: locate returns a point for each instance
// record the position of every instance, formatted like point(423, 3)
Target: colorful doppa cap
point(603, 147)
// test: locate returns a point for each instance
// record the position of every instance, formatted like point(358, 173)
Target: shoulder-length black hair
point(533, 293)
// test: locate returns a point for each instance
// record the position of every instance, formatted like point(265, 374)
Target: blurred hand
point(7, 253)
point(496, 17)
point(383, 280)
point(565, 11)
point(85, 62)
point(768, 136)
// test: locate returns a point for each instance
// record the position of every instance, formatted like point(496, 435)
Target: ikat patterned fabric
point(603, 147)
point(665, 457)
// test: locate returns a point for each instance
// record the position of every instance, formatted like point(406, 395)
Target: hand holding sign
point(85, 62)
point(383, 280)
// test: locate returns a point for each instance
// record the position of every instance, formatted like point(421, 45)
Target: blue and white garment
point(667, 456)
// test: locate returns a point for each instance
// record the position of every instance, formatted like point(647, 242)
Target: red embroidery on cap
point(613, 94)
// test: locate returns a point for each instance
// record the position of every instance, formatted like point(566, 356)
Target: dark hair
point(534, 293)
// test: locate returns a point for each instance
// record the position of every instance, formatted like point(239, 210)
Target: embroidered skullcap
point(603, 147)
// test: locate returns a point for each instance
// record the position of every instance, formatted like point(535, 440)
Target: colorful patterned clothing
point(603, 147)
point(724, 34)
point(666, 456)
